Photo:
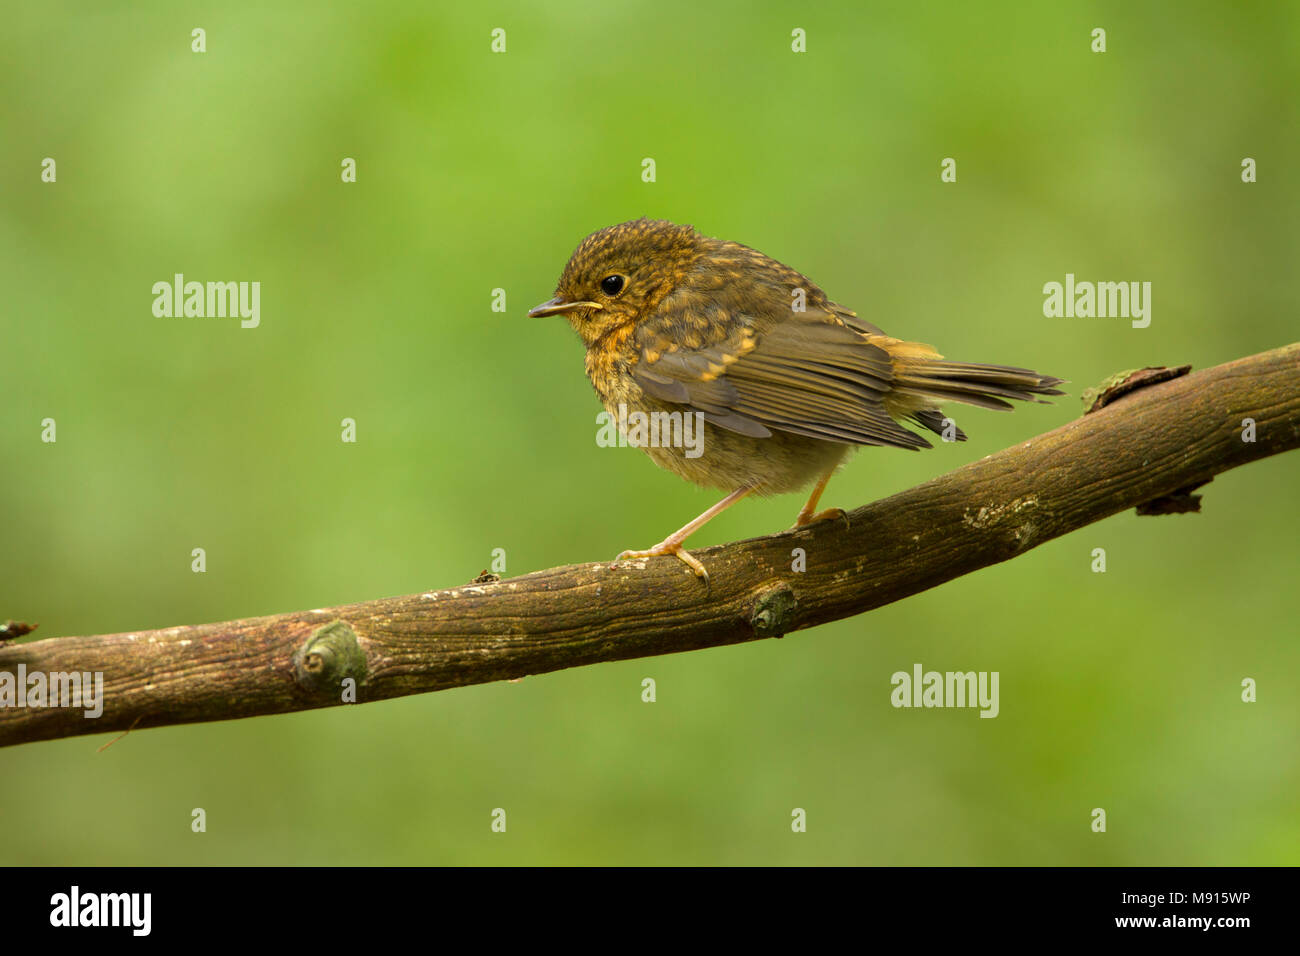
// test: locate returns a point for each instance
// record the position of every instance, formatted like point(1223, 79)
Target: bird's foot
point(807, 517)
point(667, 546)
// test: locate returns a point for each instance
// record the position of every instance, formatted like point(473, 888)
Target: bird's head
point(619, 274)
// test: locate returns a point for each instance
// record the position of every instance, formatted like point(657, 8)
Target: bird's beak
point(558, 306)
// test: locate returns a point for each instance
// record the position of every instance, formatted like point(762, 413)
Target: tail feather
point(927, 394)
point(923, 379)
point(936, 421)
point(963, 380)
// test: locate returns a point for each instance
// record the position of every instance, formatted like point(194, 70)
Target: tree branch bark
point(1150, 443)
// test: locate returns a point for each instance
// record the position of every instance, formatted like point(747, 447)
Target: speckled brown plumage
point(702, 325)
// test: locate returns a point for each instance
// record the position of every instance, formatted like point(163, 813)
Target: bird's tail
point(923, 380)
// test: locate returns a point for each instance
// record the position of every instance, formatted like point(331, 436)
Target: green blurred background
point(476, 429)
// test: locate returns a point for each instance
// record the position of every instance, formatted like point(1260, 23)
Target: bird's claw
point(664, 548)
point(806, 519)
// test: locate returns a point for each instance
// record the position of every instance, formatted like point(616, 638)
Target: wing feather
point(765, 368)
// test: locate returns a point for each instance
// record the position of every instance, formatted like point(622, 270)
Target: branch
point(1144, 444)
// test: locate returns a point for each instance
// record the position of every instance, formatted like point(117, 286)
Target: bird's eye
point(612, 285)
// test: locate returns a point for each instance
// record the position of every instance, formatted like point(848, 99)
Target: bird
point(783, 381)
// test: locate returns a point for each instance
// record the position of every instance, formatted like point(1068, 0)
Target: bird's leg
point(809, 513)
point(673, 543)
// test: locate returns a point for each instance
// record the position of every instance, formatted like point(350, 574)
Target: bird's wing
point(759, 370)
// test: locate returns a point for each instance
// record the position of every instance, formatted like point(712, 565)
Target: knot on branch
point(329, 656)
point(1179, 502)
point(1121, 383)
point(773, 613)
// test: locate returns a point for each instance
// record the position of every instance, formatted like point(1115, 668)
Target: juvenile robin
point(784, 380)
